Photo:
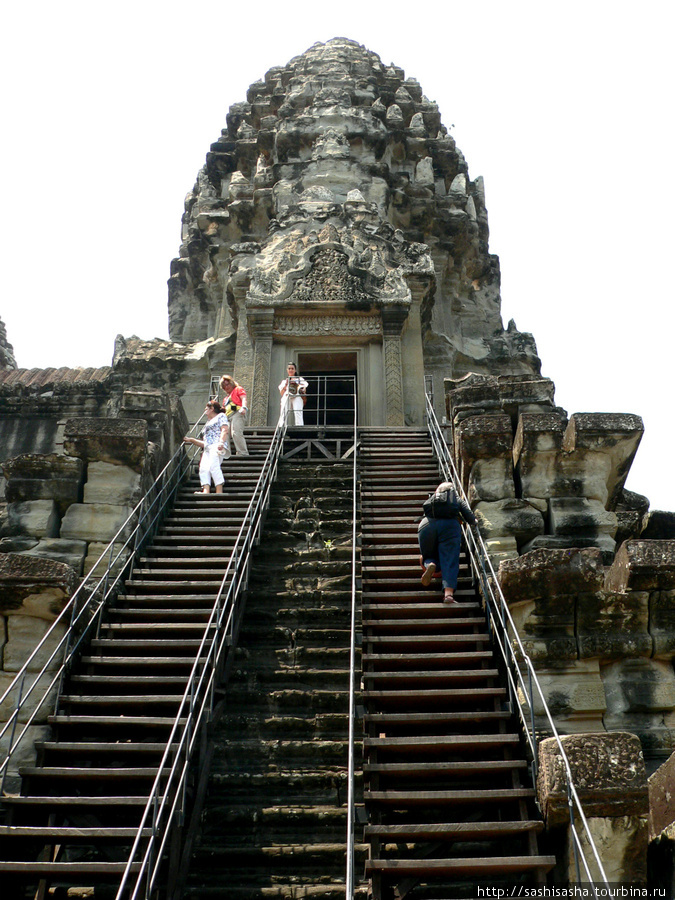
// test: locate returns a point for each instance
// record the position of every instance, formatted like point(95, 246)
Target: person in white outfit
point(214, 442)
point(293, 390)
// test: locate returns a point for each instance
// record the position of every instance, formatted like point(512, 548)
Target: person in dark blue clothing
point(440, 535)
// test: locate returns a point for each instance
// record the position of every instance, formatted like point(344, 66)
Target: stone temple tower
point(335, 223)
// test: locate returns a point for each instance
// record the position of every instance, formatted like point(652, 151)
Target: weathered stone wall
point(609, 775)
point(535, 478)
point(602, 638)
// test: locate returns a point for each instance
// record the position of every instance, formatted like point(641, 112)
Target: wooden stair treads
point(82, 801)
point(442, 753)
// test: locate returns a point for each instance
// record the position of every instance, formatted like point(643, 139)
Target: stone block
point(111, 484)
point(498, 393)
point(34, 586)
point(94, 522)
point(574, 694)
point(605, 544)
point(71, 553)
point(662, 797)
point(658, 526)
point(577, 516)
point(37, 518)
point(482, 437)
point(117, 441)
point(551, 573)
point(614, 437)
point(514, 518)
point(643, 566)
point(24, 633)
point(491, 479)
point(621, 843)
point(537, 434)
point(546, 628)
point(629, 525)
point(44, 477)
point(608, 772)
point(662, 622)
point(18, 544)
point(640, 692)
point(612, 625)
point(96, 568)
point(38, 699)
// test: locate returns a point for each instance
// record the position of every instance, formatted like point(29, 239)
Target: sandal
point(428, 574)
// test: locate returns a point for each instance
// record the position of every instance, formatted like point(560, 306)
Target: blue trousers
point(440, 540)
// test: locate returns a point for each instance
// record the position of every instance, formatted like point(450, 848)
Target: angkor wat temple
point(334, 225)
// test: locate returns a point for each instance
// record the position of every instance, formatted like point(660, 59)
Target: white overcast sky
point(566, 109)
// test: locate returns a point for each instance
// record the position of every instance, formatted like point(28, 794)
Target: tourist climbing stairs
point(73, 824)
point(275, 820)
point(450, 805)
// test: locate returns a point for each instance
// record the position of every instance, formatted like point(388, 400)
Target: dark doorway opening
point(331, 395)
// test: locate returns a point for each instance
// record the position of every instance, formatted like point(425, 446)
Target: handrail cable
point(506, 635)
point(349, 874)
point(197, 704)
point(91, 597)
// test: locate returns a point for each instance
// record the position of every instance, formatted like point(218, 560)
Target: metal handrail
point(516, 659)
point(86, 604)
point(167, 797)
point(349, 874)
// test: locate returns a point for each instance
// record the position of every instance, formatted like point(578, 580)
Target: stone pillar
point(244, 359)
point(260, 323)
point(392, 324)
point(609, 775)
point(411, 348)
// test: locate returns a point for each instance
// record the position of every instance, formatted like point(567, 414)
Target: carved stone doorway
point(332, 377)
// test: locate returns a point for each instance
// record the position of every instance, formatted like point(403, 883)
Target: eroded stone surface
point(643, 566)
point(34, 518)
point(94, 521)
point(116, 441)
point(550, 573)
point(44, 477)
point(23, 577)
point(108, 483)
point(662, 797)
point(608, 772)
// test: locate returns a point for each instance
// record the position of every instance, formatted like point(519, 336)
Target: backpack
point(443, 505)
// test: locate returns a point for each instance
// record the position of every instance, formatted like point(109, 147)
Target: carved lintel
point(295, 326)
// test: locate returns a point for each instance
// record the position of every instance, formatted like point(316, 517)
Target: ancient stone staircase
point(445, 778)
point(275, 821)
point(81, 804)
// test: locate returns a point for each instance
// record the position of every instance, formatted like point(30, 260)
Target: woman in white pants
point(215, 445)
point(293, 390)
point(235, 406)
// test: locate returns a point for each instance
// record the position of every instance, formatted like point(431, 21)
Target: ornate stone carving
point(260, 324)
point(296, 326)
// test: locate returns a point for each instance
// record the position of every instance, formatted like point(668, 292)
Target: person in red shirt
point(235, 406)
